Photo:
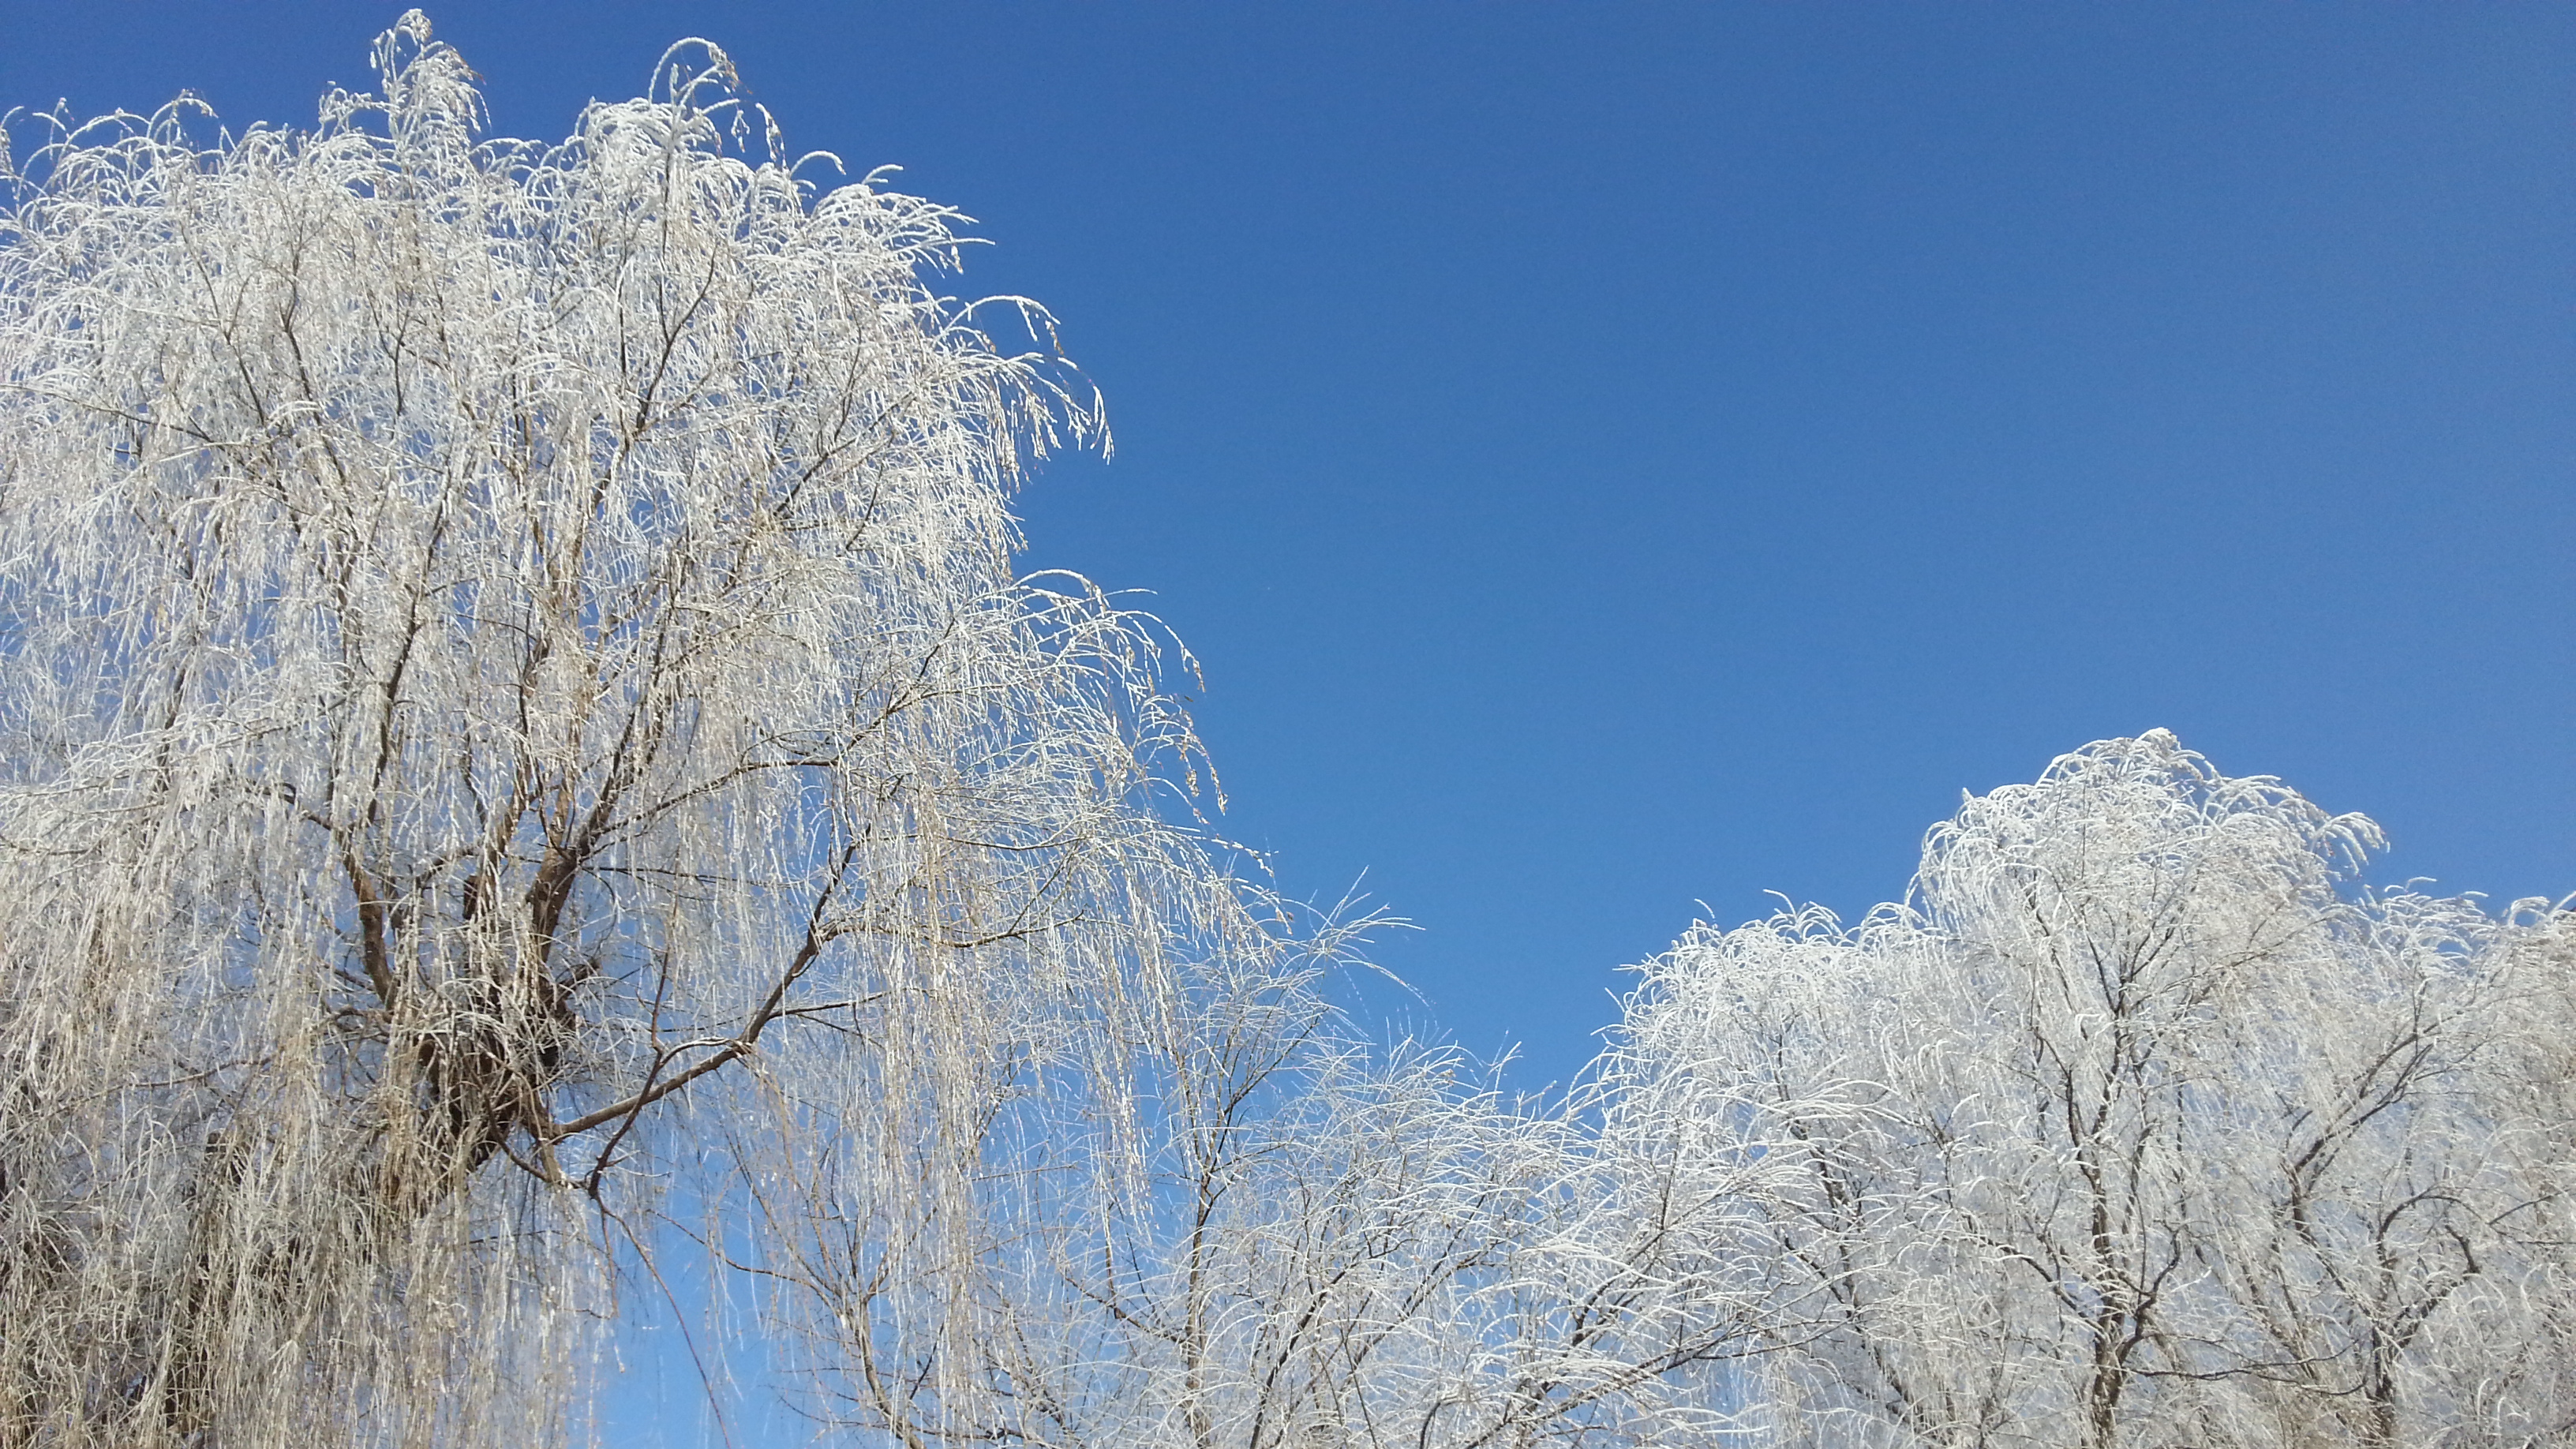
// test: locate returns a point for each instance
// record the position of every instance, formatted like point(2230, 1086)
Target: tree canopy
point(2140, 1122)
point(512, 661)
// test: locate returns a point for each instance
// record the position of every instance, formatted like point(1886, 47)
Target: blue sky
point(1617, 457)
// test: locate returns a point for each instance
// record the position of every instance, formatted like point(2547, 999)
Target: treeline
point(2136, 1122)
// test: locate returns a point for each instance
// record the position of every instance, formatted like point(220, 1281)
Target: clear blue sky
point(1613, 457)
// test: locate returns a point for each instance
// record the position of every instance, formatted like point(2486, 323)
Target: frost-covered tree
point(2138, 1124)
point(1319, 1245)
point(514, 694)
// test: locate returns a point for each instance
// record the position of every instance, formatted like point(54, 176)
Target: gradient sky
point(1613, 458)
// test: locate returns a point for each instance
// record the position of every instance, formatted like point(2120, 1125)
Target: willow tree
point(2138, 1122)
point(1319, 1243)
point(515, 693)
